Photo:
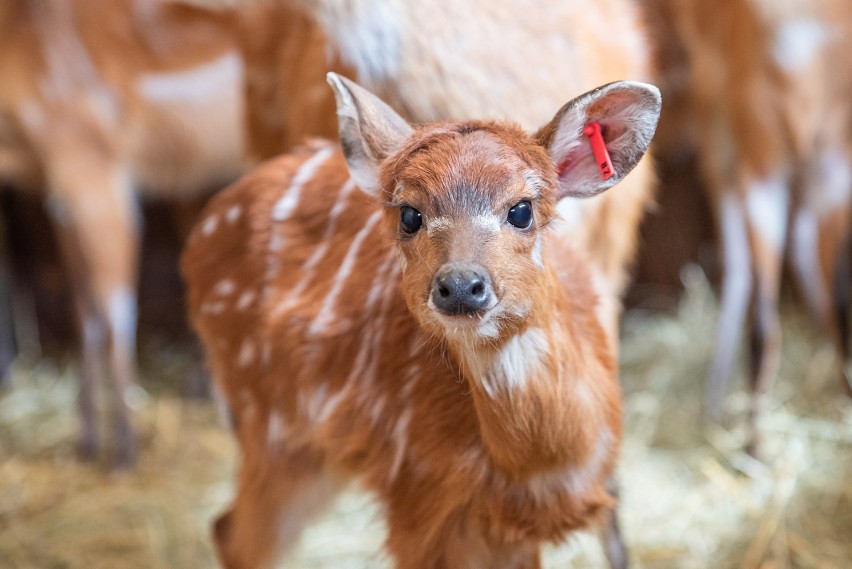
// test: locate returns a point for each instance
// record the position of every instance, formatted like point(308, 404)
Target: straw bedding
point(691, 498)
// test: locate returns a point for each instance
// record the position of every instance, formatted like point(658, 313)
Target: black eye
point(410, 219)
point(520, 215)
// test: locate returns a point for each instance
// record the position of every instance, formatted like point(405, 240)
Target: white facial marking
point(487, 222)
point(437, 224)
point(766, 203)
point(198, 84)
point(225, 287)
point(536, 252)
point(797, 43)
point(247, 353)
point(325, 317)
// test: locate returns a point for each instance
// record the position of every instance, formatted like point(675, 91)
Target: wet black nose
point(461, 289)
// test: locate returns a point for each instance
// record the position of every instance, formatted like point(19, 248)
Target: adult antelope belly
point(188, 129)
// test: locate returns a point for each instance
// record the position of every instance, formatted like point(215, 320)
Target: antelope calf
point(776, 151)
point(419, 322)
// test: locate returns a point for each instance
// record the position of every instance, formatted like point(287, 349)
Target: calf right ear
point(370, 130)
point(626, 112)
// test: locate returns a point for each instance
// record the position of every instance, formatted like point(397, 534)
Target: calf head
point(468, 203)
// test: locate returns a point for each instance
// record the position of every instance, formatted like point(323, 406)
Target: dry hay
point(691, 498)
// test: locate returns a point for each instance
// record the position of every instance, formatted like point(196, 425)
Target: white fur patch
point(520, 358)
point(309, 267)
point(437, 224)
point(487, 222)
point(325, 317)
point(575, 479)
point(122, 316)
point(209, 225)
point(798, 43)
point(212, 308)
point(767, 202)
point(275, 429)
point(247, 354)
point(225, 287)
point(245, 299)
point(368, 34)
point(537, 257)
point(400, 439)
point(286, 204)
point(233, 213)
point(197, 84)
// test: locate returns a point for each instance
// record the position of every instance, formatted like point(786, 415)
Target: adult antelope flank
point(423, 323)
point(775, 147)
point(99, 100)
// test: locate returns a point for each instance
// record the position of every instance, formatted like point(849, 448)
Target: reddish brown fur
point(467, 478)
point(99, 101)
point(485, 58)
point(764, 115)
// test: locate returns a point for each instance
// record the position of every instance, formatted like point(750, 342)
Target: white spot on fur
point(224, 287)
point(437, 224)
point(209, 225)
point(197, 84)
point(309, 267)
point(233, 213)
point(247, 353)
point(576, 479)
point(368, 34)
point(286, 204)
point(213, 308)
point(487, 222)
point(245, 299)
point(798, 43)
point(325, 317)
point(400, 439)
point(767, 202)
point(275, 429)
point(520, 358)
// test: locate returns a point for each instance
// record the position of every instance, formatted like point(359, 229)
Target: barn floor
point(691, 498)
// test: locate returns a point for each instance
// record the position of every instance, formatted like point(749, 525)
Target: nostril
point(443, 291)
point(478, 289)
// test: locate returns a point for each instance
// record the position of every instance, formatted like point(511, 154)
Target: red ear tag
point(593, 131)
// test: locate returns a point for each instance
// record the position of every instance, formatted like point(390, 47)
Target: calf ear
point(627, 113)
point(370, 130)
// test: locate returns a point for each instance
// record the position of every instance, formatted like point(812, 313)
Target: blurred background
point(118, 120)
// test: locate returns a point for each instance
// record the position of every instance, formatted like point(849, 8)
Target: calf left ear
point(627, 113)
